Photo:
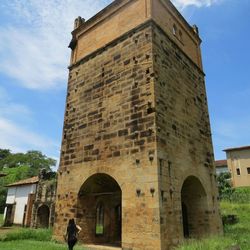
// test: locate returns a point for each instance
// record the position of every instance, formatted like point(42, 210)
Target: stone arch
point(43, 214)
point(194, 208)
point(99, 210)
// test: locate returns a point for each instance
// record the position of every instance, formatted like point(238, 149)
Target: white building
point(19, 202)
point(221, 167)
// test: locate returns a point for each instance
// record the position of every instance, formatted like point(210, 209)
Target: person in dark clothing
point(71, 234)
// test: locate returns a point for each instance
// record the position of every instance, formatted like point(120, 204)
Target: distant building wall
point(221, 167)
point(221, 170)
point(18, 195)
point(43, 210)
point(238, 160)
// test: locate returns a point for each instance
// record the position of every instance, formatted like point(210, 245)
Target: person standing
point(72, 232)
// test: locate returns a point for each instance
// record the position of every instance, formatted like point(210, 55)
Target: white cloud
point(14, 134)
point(181, 4)
point(19, 139)
point(8, 108)
point(33, 45)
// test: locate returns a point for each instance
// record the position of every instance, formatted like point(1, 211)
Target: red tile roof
point(237, 148)
point(221, 163)
point(31, 180)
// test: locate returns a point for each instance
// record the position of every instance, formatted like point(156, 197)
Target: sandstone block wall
point(109, 128)
point(136, 117)
point(43, 209)
point(122, 16)
point(184, 145)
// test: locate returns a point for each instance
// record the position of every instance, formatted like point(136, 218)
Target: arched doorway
point(43, 216)
point(99, 210)
point(194, 208)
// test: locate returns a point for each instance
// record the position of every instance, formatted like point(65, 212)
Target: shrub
point(228, 193)
point(28, 233)
point(241, 195)
point(1, 219)
point(213, 243)
point(225, 188)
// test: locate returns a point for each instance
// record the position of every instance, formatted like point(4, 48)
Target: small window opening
point(238, 171)
point(161, 165)
point(162, 197)
point(169, 168)
point(174, 30)
point(180, 36)
point(99, 230)
point(248, 170)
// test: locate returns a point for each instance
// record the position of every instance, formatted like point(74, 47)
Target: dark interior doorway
point(43, 216)
point(194, 208)
point(118, 221)
point(99, 211)
point(185, 220)
point(9, 217)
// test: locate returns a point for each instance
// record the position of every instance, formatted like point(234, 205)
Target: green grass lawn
point(17, 233)
point(34, 245)
point(234, 235)
point(30, 239)
point(237, 234)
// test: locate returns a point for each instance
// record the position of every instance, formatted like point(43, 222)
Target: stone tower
point(137, 166)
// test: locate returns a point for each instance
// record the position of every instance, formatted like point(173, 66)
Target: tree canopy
point(4, 153)
point(224, 186)
point(20, 166)
point(35, 160)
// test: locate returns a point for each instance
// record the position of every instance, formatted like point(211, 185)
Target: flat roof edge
point(116, 5)
point(236, 148)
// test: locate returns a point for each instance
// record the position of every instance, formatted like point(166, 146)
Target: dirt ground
point(4, 230)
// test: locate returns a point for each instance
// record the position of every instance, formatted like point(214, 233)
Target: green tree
point(225, 188)
point(20, 166)
point(34, 159)
point(12, 175)
point(37, 161)
point(4, 153)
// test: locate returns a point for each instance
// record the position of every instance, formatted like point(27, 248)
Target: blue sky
point(34, 35)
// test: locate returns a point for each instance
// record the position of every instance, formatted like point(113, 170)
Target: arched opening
point(174, 30)
point(194, 208)
point(99, 224)
point(180, 36)
point(43, 217)
point(99, 211)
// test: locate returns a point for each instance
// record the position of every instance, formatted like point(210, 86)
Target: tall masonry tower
point(137, 166)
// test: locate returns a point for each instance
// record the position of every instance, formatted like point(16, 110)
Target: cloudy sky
point(34, 35)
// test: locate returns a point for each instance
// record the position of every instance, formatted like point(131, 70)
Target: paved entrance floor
point(100, 247)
